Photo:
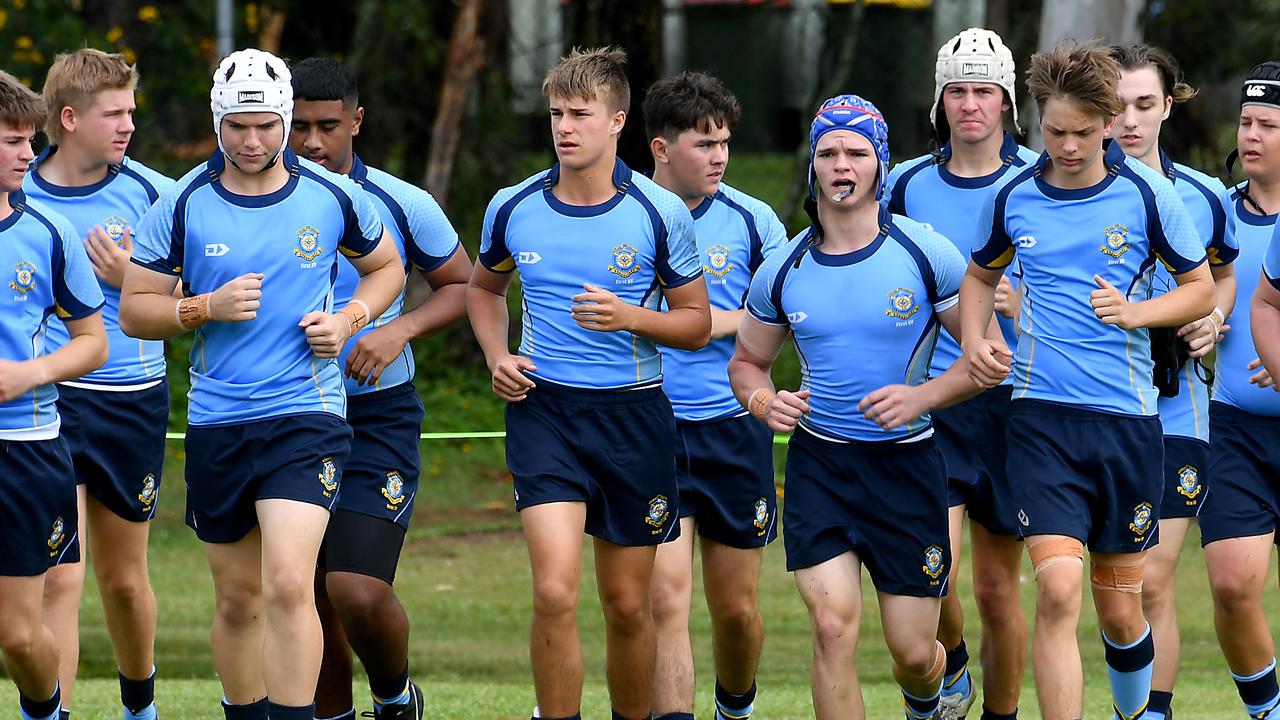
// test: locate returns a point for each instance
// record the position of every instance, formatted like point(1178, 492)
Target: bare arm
point(1264, 312)
point(685, 325)
point(487, 308)
point(725, 322)
point(757, 347)
point(1202, 335)
point(988, 358)
point(1191, 300)
point(446, 305)
point(149, 305)
point(85, 352)
point(381, 280)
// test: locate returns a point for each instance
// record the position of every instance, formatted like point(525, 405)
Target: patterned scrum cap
point(1262, 85)
point(851, 112)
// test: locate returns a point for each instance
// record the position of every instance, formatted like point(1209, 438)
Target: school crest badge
point(762, 515)
point(659, 511)
point(626, 261)
point(718, 257)
point(1142, 519)
point(393, 491)
point(149, 491)
point(115, 227)
point(57, 536)
point(1189, 482)
point(1117, 243)
point(328, 476)
point(902, 304)
point(24, 278)
point(933, 565)
point(308, 244)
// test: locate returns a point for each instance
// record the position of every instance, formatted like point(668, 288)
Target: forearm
point(150, 316)
point(489, 322)
point(951, 387)
point(683, 328)
point(1225, 288)
point(977, 308)
point(746, 378)
point(1189, 301)
point(377, 289)
point(725, 322)
point(1265, 324)
point(445, 306)
point(81, 355)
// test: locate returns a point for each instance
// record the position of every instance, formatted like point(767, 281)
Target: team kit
point(1071, 348)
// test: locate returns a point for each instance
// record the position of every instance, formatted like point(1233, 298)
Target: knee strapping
point(1058, 550)
point(1118, 578)
point(934, 673)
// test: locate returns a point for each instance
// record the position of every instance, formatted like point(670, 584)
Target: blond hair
point(594, 74)
point(20, 107)
point(76, 78)
point(1084, 74)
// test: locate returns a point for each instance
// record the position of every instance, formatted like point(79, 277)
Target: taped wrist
point(194, 311)
point(758, 404)
point(357, 313)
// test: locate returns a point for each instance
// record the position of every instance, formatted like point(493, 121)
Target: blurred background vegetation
point(451, 88)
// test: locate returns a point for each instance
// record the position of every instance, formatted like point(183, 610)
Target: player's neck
point(667, 181)
point(1089, 176)
point(591, 185)
point(1151, 158)
point(69, 166)
point(5, 208)
point(259, 183)
point(1265, 192)
point(847, 231)
point(971, 160)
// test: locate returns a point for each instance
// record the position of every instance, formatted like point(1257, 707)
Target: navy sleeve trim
point(775, 287)
point(498, 251)
point(172, 265)
point(922, 262)
point(1155, 226)
point(152, 193)
point(352, 237)
point(898, 198)
point(413, 253)
point(70, 305)
point(661, 256)
point(986, 255)
point(1221, 254)
point(753, 232)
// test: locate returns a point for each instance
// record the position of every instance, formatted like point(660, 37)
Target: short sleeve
point(76, 291)
point(773, 234)
point(677, 262)
point(764, 298)
point(992, 248)
point(1223, 248)
point(157, 243)
point(363, 229)
point(948, 267)
point(494, 255)
point(1271, 261)
point(432, 238)
point(1172, 232)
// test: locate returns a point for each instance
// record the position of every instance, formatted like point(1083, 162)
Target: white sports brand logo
point(250, 96)
point(527, 258)
point(796, 318)
point(216, 250)
point(1255, 91)
point(1025, 241)
point(974, 69)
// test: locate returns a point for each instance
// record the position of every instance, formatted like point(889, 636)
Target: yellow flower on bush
point(114, 34)
point(23, 42)
point(4, 18)
point(148, 14)
point(129, 55)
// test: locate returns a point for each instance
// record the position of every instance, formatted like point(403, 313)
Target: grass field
point(464, 579)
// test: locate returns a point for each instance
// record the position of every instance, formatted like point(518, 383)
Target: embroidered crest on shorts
point(659, 511)
point(762, 516)
point(57, 536)
point(902, 303)
point(393, 491)
point(718, 256)
point(625, 261)
point(1189, 482)
point(24, 278)
point(1117, 240)
point(1141, 519)
point(328, 476)
point(933, 565)
point(148, 495)
point(308, 244)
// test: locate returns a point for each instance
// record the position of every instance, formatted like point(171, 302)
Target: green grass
point(464, 580)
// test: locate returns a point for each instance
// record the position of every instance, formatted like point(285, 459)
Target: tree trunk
point(462, 61)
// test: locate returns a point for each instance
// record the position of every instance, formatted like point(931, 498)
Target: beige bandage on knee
point(1058, 550)
point(1120, 578)
point(934, 673)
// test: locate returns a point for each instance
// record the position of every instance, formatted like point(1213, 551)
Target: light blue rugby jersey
point(861, 320)
point(207, 235)
point(1118, 229)
point(1187, 414)
point(634, 245)
point(1254, 236)
point(735, 232)
point(425, 239)
point(117, 202)
point(924, 190)
point(46, 273)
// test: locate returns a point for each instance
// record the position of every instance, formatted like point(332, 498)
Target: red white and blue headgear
point(850, 112)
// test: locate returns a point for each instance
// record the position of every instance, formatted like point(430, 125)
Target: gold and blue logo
point(1117, 242)
point(115, 227)
point(933, 565)
point(308, 244)
point(1189, 482)
point(718, 256)
point(149, 490)
point(626, 261)
point(1142, 519)
point(57, 536)
point(24, 278)
point(328, 476)
point(393, 491)
point(902, 303)
point(762, 515)
point(659, 512)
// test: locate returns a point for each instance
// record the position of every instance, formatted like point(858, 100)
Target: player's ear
point(67, 117)
point(356, 120)
point(619, 120)
point(658, 146)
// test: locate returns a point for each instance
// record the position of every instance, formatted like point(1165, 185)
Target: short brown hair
point(20, 107)
point(1135, 57)
point(75, 78)
point(1084, 74)
point(594, 74)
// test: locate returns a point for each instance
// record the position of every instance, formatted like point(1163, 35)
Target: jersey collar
point(218, 162)
point(1008, 154)
point(358, 172)
point(65, 190)
point(621, 181)
point(17, 201)
point(857, 256)
point(1166, 166)
point(1113, 158)
point(705, 205)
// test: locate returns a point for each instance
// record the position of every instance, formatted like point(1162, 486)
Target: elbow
point(701, 336)
point(98, 353)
